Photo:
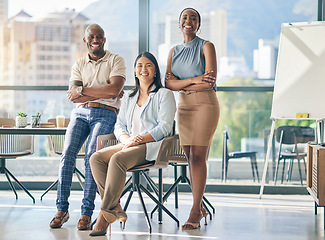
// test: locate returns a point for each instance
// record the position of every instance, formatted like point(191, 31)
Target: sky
point(37, 8)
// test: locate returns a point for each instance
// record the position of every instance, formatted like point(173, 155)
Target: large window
point(40, 52)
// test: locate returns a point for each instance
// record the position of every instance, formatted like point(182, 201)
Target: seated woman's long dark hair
point(157, 78)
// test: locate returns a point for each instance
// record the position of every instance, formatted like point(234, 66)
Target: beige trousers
point(109, 166)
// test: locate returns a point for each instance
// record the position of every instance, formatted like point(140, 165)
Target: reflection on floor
point(238, 216)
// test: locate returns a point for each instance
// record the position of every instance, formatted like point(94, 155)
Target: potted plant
point(21, 119)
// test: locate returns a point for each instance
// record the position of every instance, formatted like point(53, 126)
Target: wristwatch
point(79, 90)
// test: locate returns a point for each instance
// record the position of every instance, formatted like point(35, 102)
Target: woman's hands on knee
point(132, 141)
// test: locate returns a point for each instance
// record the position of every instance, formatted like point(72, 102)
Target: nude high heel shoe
point(110, 217)
point(122, 217)
point(190, 226)
point(101, 232)
point(204, 215)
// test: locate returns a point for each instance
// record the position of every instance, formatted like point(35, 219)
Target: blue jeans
point(84, 122)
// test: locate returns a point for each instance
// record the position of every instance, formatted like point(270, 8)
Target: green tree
point(245, 113)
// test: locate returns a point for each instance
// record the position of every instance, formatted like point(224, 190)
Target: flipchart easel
point(300, 79)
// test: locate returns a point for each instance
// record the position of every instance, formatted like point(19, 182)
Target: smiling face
point(189, 22)
point(145, 70)
point(95, 40)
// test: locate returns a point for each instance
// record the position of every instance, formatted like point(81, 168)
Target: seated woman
point(145, 118)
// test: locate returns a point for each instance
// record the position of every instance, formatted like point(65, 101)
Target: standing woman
point(191, 70)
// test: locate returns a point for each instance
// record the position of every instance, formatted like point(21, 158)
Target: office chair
point(288, 138)
point(226, 156)
point(134, 184)
point(11, 147)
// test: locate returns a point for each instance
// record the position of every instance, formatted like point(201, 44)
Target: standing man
point(95, 84)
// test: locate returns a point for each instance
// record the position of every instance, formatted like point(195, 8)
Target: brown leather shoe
point(84, 223)
point(59, 218)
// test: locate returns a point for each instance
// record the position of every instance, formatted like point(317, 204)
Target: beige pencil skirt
point(197, 117)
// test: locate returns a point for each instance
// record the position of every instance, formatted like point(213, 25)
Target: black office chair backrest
point(294, 134)
point(308, 134)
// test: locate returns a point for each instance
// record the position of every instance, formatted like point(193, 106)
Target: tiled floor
point(238, 216)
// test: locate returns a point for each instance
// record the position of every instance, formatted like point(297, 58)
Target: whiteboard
point(300, 73)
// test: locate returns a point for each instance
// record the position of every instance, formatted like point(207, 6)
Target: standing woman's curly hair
point(157, 78)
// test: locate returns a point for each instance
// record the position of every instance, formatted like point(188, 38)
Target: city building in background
point(233, 67)
point(265, 59)
point(39, 52)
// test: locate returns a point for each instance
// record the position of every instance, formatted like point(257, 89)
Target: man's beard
point(97, 53)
